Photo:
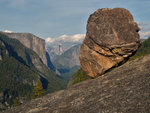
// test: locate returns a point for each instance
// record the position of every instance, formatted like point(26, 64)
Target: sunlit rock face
point(112, 37)
point(31, 41)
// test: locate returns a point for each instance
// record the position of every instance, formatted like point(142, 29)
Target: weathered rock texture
point(31, 41)
point(112, 36)
point(123, 90)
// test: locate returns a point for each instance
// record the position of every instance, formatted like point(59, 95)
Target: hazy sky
point(52, 18)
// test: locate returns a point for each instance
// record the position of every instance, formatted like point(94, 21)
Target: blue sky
point(53, 18)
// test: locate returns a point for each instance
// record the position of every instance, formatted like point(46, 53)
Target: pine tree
point(38, 90)
point(16, 102)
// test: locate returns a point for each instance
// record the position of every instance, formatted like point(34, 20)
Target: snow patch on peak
point(49, 40)
point(77, 38)
point(8, 31)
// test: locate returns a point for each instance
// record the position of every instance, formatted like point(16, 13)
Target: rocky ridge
point(112, 36)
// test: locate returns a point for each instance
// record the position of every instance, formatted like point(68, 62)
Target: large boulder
point(111, 38)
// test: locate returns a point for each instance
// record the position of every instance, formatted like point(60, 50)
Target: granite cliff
point(31, 41)
point(111, 38)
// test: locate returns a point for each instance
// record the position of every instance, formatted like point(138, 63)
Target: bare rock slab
point(123, 90)
point(111, 38)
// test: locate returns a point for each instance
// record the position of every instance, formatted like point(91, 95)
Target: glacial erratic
point(112, 36)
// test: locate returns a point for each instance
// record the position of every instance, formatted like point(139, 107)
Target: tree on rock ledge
point(38, 90)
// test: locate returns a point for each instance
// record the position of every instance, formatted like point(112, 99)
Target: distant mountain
point(69, 58)
point(57, 46)
point(30, 41)
point(36, 44)
point(20, 67)
point(64, 53)
point(55, 51)
point(68, 62)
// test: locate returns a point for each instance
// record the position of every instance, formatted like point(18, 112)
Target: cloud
point(66, 38)
point(73, 38)
point(49, 40)
point(8, 31)
point(144, 34)
point(145, 29)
